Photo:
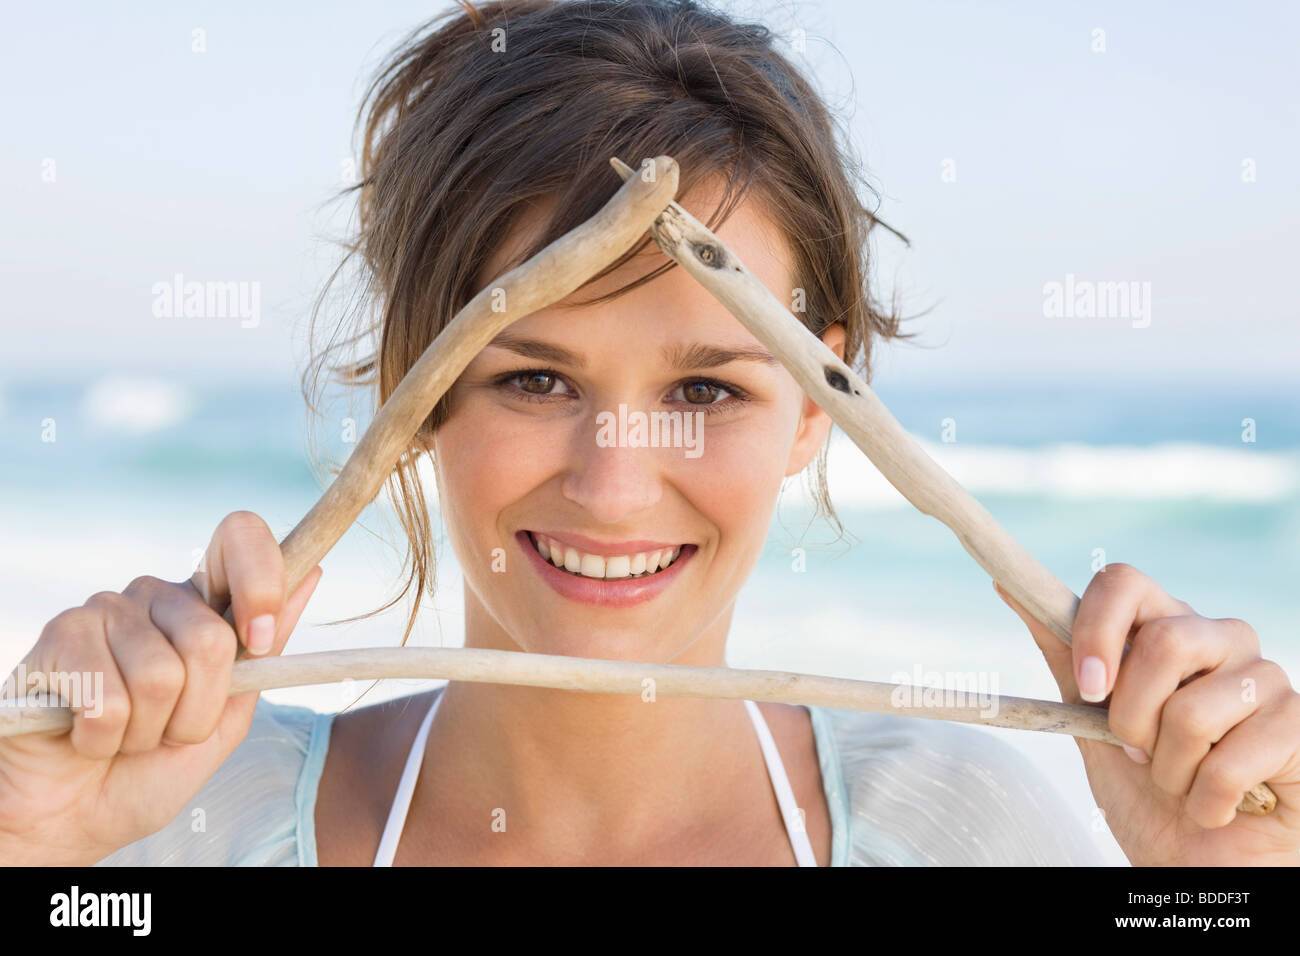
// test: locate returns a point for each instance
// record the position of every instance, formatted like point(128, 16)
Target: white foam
point(1168, 471)
point(136, 404)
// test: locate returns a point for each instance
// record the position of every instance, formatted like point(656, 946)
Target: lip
point(620, 592)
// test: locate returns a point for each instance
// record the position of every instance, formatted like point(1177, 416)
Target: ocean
point(106, 478)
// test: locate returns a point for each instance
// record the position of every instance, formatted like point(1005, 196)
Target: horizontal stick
point(629, 677)
point(615, 677)
point(851, 403)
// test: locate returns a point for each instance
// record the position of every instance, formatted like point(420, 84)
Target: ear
point(814, 424)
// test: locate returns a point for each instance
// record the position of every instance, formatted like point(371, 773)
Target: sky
point(1013, 143)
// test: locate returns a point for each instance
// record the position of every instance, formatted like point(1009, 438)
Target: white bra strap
point(405, 790)
point(794, 825)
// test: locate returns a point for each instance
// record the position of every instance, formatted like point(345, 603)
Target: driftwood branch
point(623, 677)
point(839, 391)
point(632, 677)
point(851, 403)
point(561, 268)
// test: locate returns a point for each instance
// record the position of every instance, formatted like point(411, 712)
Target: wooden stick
point(621, 677)
point(558, 270)
point(852, 404)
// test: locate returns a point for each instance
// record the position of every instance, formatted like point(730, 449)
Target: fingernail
point(261, 632)
point(1139, 756)
point(1092, 679)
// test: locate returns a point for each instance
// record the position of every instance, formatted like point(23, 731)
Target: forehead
point(750, 231)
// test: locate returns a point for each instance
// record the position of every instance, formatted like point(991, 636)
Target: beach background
point(1011, 151)
point(1176, 493)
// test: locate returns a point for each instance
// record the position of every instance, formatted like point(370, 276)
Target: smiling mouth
point(643, 564)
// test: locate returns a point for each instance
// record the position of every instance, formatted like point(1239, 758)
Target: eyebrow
point(680, 357)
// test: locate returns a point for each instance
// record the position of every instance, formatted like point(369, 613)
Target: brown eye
point(538, 383)
point(534, 385)
point(700, 393)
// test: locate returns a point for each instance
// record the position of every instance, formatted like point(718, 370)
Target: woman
point(486, 138)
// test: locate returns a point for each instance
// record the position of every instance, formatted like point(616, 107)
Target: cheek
point(486, 463)
point(737, 478)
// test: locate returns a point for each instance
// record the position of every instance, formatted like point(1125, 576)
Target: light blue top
point(900, 790)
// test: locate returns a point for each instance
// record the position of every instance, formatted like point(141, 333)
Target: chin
point(615, 644)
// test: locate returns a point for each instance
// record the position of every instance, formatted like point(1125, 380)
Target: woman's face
point(542, 450)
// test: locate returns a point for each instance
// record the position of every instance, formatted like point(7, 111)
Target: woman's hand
point(1204, 718)
point(165, 719)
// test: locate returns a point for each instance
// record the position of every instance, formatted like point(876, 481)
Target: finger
point(1118, 599)
point(153, 672)
point(1055, 650)
point(293, 608)
point(1163, 653)
point(199, 761)
point(1199, 715)
point(1264, 747)
point(78, 646)
point(243, 567)
point(206, 645)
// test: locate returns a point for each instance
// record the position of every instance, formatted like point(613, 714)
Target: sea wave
point(1166, 471)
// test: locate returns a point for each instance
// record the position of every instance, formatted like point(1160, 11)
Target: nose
point(613, 484)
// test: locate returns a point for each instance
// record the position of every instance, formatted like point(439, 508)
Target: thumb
point(1057, 653)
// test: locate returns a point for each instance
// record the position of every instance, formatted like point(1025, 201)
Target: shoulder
point(256, 809)
point(913, 791)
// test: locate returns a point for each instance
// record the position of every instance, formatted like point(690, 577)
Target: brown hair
point(515, 101)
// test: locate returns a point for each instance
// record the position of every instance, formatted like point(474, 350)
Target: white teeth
point(604, 568)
